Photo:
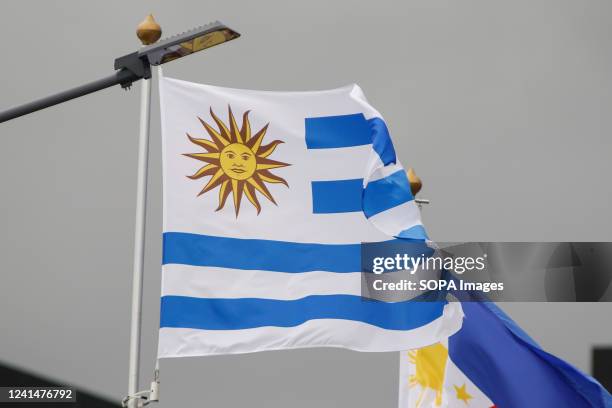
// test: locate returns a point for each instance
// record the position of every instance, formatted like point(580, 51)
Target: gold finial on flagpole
point(415, 181)
point(415, 186)
point(148, 31)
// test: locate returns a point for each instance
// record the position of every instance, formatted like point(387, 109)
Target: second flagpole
point(148, 32)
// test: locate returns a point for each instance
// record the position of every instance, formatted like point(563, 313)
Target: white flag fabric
point(267, 198)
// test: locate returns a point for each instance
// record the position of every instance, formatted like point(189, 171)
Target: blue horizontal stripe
point(381, 141)
point(386, 193)
point(337, 131)
point(329, 132)
point(340, 196)
point(256, 254)
point(337, 196)
point(245, 313)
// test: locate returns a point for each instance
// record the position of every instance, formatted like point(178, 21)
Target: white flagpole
point(148, 32)
point(139, 238)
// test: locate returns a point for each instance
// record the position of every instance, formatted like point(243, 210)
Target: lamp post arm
point(123, 76)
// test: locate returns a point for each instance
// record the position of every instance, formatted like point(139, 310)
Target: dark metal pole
point(123, 76)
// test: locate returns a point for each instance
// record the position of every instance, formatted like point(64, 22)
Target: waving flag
point(267, 198)
point(491, 362)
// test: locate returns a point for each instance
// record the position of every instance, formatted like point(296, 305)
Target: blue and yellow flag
point(491, 362)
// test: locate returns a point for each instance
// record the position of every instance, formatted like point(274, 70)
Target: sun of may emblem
point(236, 161)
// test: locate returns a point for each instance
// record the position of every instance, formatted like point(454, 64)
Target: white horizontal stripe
point(212, 282)
point(337, 164)
point(383, 172)
point(397, 219)
point(349, 334)
point(279, 223)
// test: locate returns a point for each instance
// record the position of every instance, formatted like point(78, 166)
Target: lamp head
point(191, 41)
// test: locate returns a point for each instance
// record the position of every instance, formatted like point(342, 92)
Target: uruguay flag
point(492, 363)
point(267, 198)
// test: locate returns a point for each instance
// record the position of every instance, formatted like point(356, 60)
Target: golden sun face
point(236, 161)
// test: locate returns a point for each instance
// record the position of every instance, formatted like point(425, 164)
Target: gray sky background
point(502, 108)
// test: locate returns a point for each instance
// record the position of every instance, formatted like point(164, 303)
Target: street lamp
point(129, 69)
point(137, 65)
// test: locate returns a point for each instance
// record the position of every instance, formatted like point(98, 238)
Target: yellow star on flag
point(462, 394)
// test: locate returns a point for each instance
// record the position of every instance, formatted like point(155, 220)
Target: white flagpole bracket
point(145, 397)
